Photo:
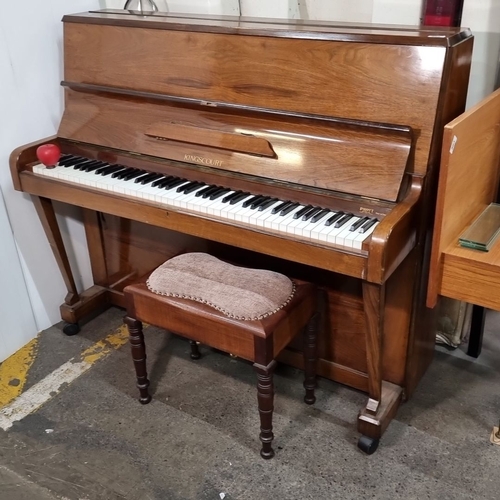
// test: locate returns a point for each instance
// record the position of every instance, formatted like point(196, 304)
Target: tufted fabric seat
point(240, 293)
point(253, 314)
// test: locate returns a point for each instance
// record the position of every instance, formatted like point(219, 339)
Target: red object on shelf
point(443, 12)
point(48, 154)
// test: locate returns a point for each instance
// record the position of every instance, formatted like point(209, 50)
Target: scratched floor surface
point(198, 438)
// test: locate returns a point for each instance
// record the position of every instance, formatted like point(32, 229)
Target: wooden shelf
point(471, 275)
point(468, 183)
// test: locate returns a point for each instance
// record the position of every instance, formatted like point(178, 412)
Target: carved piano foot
point(71, 329)
point(368, 444)
point(373, 420)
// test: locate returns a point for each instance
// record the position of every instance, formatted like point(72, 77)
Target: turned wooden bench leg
point(195, 352)
point(265, 397)
point(138, 347)
point(310, 358)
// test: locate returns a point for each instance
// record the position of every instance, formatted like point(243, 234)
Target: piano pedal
point(71, 329)
point(368, 444)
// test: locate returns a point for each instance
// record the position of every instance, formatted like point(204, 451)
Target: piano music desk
point(468, 184)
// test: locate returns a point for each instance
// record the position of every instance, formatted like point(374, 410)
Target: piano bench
point(253, 314)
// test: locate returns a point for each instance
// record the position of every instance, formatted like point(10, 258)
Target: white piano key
point(188, 198)
point(282, 223)
point(358, 241)
point(340, 237)
point(216, 208)
point(261, 217)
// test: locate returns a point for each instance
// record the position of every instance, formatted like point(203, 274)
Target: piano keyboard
point(307, 221)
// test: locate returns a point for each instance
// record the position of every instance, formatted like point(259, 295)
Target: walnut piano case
point(337, 117)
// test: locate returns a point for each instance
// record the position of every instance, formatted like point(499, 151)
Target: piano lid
point(288, 28)
point(337, 155)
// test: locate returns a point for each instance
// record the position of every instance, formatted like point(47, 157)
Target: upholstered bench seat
point(250, 313)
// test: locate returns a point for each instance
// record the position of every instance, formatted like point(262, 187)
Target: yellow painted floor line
point(37, 395)
point(14, 371)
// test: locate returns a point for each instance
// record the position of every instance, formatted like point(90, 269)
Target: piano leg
point(383, 397)
point(76, 305)
point(47, 216)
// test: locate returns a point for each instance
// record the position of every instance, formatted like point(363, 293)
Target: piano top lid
point(289, 28)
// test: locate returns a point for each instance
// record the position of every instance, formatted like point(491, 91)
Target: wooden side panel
point(468, 180)
point(368, 82)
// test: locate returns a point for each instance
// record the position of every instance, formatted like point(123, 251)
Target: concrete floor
point(198, 438)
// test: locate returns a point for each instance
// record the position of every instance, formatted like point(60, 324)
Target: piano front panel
point(380, 82)
point(342, 347)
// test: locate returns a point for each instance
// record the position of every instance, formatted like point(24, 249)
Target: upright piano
point(310, 148)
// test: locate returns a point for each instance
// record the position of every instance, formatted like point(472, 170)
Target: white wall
point(18, 324)
point(31, 106)
point(483, 17)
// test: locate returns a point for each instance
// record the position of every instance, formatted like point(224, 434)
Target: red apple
point(48, 154)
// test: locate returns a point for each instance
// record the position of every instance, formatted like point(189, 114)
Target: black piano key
point(251, 200)
point(198, 185)
point(79, 162)
point(302, 212)
point(367, 225)
point(320, 215)
point(311, 212)
point(238, 198)
point(108, 170)
point(280, 207)
point(91, 168)
point(359, 223)
point(100, 170)
point(334, 218)
point(133, 175)
point(259, 202)
point(288, 209)
point(153, 177)
point(122, 173)
point(66, 160)
point(219, 193)
point(229, 197)
point(159, 182)
point(174, 184)
point(165, 183)
point(89, 163)
point(185, 186)
point(203, 191)
point(210, 191)
point(267, 204)
point(344, 220)
point(146, 179)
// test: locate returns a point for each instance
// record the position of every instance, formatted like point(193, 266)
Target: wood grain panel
point(472, 276)
point(468, 182)
point(368, 82)
point(360, 160)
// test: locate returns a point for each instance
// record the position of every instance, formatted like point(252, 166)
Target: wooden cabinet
point(468, 183)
